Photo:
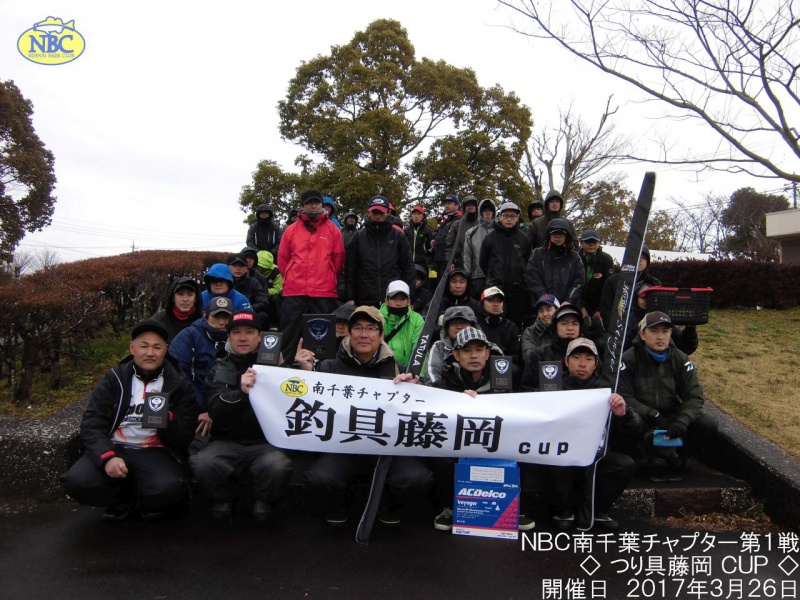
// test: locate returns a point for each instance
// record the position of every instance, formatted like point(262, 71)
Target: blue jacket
point(222, 271)
point(195, 350)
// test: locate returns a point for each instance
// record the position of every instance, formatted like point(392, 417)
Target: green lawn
point(749, 365)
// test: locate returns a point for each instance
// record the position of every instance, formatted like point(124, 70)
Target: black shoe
point(262, 511)
point(118, 512)
point(444, 522)
point(677, 473)
point(603, 521)
point(221, 510)
point(564, 520)
point(526, 523)
point(388, 516)
point(337, 515)
point(151, 515)
point(658, 474)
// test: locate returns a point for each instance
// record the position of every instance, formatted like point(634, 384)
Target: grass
point(748, 362)
point(79, 376)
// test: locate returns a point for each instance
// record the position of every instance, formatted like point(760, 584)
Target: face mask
point(400, 312)
point(312, 215)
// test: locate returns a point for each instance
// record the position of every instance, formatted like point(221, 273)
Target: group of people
point(522, 292)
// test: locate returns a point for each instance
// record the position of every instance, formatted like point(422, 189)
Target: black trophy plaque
point(270, 349)
point(550, 376)
point(319, 335)
point(500, 373)
point(156, 410)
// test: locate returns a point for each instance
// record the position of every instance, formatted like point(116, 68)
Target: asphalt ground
point(62, 550)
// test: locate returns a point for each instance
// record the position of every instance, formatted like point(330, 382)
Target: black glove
point(660, 421)
point(677, 430)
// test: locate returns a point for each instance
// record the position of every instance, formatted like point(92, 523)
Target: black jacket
point(597, 269)
point(232, 414)
point(377, 255)
point(264, 235)
point(420, 238)
point(503, 256)
point(610, 289)
point(502, 332)
point(556, 270)
point(109, 402)
point(440, 238)
point(253, 291)
point(167, 316)
point(552, 352)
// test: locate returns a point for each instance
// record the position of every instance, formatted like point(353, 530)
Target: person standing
point(264, 234)
point(311, 259)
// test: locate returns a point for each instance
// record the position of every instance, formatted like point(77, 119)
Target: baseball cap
point(652, 319)
point(548, 299)
point(397, 287)
point(467, 335)
point(563, 311)
point(220, 304)
point(310, 195)
point(508, 206)
point(378, 203)
point(244, 318)
point(343, 312)
point(237, 259)
point(370, 313)
point(152, 326)
point(590, 235)
point(492, 291)
point(452, 198)
point(418, 208)
point(581, 343)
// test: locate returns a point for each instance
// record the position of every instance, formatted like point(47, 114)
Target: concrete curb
point(34, 453)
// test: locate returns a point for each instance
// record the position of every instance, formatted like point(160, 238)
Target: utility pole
point(794, 193)
point(133, 246)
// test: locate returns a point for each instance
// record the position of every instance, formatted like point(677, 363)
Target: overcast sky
point(162, 120)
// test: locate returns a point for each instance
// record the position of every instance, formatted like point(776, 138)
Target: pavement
point(63, 550)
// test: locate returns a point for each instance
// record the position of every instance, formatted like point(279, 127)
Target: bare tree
point(700, 228)
point(573, 152)
point(45, 259)
point(730, 64)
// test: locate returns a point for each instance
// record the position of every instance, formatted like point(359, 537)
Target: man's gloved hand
point(660, 421)
point(676, 430)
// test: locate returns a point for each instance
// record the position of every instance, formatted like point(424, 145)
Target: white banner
point(322, 412)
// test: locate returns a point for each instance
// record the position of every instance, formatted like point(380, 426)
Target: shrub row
point(52, 311)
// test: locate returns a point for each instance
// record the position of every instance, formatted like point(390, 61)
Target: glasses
point(508, 215)
point(370, 329)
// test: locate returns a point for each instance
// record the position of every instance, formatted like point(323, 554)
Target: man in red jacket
point(311, 259)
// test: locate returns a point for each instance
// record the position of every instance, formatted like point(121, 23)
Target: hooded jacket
point(443, 347)
point(311, 257)
point(474, 241)
point(378, 254)
point(440, 237)
point(534, 336)
point(500, 331)
point(408, 328)
point(556, 270)
point(449, 300)
point(456, 379)
point(347, 230)
point(420, 238)
point(264, 234)
point(328, 201)
point(537, 232)
point(167, 317)
point(469, 220)
point(421, 296)
point(222, 271)
point(273, 280)
point(503, 256)
point(110, 400)
point(195, 349)
point(671, 387)
point(598, 268)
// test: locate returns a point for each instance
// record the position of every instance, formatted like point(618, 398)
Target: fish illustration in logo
point(270, 341)
point(53, 25)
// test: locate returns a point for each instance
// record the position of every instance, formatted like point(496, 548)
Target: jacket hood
point(563, 225)
point(485, 204)
point(533, 205)
point(266, 260)
point(351, 214)
point(180, 282)
point(554, 195)
point(218, 271)
point(329, 201)
point(420, 271)
point(249, 250)
point(457, 312)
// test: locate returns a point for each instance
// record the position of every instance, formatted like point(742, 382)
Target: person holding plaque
point(566, 325)
point(139, 421)
point(237, 444)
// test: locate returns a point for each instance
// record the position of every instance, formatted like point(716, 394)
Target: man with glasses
point(503, 257)
point(377, 255)
point(364, 353)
